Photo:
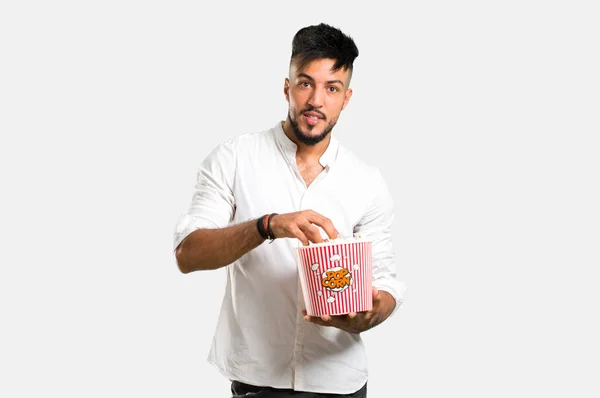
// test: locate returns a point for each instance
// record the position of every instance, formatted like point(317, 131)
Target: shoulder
point(242, 144)
point(368, 183)
point(356, 166)
point(246, 142)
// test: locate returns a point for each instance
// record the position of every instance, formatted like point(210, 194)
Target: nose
point(316, 98)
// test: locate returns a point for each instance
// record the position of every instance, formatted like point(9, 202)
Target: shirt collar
point(289, 147)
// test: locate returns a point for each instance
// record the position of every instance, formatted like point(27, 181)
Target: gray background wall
point(482, 116)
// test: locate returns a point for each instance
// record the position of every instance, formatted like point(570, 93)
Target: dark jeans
point(243, 390)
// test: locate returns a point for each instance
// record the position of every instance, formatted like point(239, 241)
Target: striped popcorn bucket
point(336, 277)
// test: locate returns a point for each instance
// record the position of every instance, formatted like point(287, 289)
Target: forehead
point(319, 69)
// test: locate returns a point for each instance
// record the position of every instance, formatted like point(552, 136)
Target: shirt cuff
point(187, 224)
point(395, 288)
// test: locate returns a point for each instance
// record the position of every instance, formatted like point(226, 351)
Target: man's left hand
point(358, 322)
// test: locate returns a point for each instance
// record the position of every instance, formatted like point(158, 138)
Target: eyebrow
point(328, 82)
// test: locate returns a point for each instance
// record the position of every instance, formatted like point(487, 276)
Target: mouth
point(312, 118)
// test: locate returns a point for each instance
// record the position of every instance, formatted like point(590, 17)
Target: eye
point(304, 84)
point(333, 89)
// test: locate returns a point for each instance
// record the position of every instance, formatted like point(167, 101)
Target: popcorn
point(335, 276)
point(340, 239)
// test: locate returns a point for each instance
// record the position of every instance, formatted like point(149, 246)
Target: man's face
point(316, 96)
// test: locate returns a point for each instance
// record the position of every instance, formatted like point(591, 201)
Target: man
point(310, 188)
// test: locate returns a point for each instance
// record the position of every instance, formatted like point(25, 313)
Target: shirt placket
point(298, 371)
point(298, 376)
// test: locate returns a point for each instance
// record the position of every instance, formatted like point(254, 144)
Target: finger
point(325, 318)
point(352, 315)
point(311, 232)
point(300, 236)
point(324, 223)
point(339, 321)
point(305, 315)
point(375, 293)
point(309, 318)
point(316, 320)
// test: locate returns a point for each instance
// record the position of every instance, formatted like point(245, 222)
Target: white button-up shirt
point(261, 337)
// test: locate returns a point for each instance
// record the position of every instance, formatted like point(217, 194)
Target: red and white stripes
point(335, 296)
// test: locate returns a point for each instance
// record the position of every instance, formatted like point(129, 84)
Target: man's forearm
point(206, 249)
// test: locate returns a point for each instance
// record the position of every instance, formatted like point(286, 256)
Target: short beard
point(307, 139)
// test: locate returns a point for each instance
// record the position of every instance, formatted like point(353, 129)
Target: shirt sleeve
point(213, 203)
point(376, 226)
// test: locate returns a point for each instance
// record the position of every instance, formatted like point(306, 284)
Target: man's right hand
point(303, 226)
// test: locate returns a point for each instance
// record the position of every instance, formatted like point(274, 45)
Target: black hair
point(323, 41)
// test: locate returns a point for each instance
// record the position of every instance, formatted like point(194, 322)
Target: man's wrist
point(263, 224)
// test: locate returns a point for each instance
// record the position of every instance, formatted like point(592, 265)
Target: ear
point(347, 96)
point(286, 89)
